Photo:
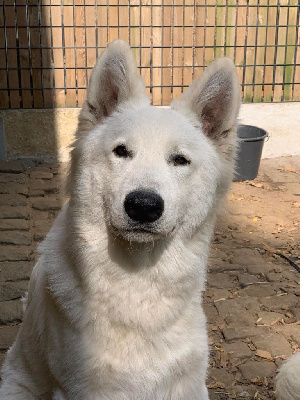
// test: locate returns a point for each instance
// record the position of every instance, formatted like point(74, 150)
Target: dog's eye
point(121, 151)
point(180, 160)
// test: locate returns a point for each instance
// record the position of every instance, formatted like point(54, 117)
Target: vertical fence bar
point(199, 37)
point(58, 57)
point(167, 53)
point(250, 51)
point(188, 43)
point(12, 61)
point(90, 37)
point(177, 49)
point(146, 45)
point(291, 34)
point(296, 72)
point(69, 37)
point(270, 50)
point(24, 57)
point(280, 53)
point(4, 87)
point(260, 51)
point(80, 50)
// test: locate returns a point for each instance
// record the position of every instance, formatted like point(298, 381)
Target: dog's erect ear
point(214, 98)
point(113, 81)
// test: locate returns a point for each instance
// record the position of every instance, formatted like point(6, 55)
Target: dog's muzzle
point(144, 206)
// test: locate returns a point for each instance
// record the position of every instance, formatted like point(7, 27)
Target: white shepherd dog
point(288, 379)
point(114, 304)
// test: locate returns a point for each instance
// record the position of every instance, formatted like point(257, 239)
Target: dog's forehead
point(151, 122)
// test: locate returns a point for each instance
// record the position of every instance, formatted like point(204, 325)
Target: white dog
point(114, 305)
point(288, 379)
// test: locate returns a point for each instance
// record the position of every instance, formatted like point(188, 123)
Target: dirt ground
point(252, 296)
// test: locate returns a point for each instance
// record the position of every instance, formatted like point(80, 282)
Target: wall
point(49, 133)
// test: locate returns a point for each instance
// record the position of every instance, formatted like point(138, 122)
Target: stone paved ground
point(252, 297)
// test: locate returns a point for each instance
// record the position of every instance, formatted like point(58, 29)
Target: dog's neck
point(99, 266)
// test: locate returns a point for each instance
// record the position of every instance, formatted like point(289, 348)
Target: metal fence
point(48, 47)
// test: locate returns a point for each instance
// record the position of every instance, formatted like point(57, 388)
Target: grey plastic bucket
point(251, 141)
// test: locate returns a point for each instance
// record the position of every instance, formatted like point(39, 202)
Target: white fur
point(288, 379)
point(113, 312)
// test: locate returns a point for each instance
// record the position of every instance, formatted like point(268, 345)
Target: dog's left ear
point(214, 98)
point(114, 80)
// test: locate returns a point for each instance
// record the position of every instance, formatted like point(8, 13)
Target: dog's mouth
point(142, 230)
point(141, 233)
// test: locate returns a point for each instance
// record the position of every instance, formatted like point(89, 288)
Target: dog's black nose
point(144, 206)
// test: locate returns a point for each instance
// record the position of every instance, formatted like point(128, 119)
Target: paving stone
point(39, 174)
point(237, 305)
point(44, 185)
point(46, 204)
point(226, 267)
point(43, 167)
point(215, 252)
point(12, 290)
point(275, 344)
point(241, 319)
point(12, 200)
point(291, 332)
point(220, 281)
point(12, 187)
point(14, 225)
point(21, 238)
point(296, 312)
point(290, 275)
point(237, 350)
point(248, 278)
point(247, 256)
point(54, 165)
point(15, 270)
point(38, 215)
point(245, 391)
point(211, 313)
point(238, 333)
point(10, 311)
point(277, 303)
point(257, 369)
point(41, 228)
point(217, 294)
point(257, 291)
point(282, 177)
point(268, 318)
point(14, 167)
point(258, 269)
point(14, 253)
point(221, 375)
point(274, 277)
point(293, 188)
point(36, 193)
point(19, 178)
point(14, 212)
point(8, 335)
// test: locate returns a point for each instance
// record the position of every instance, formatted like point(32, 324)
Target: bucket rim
point(255, 139)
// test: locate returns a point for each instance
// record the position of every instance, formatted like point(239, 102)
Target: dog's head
point(147, 171)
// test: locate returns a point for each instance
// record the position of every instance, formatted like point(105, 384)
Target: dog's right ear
point(114, 80)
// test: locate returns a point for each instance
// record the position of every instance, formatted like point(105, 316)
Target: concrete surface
point(49, 133)
point(252, 296)
point(281, 121)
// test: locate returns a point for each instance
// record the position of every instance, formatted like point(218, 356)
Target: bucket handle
point(266, 137)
